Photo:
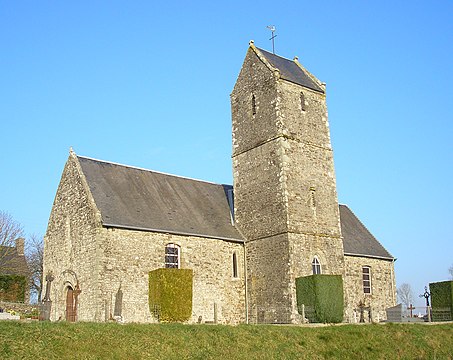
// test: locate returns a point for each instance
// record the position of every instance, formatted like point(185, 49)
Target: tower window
point(253, 105)
point(235, 265)
point(366, 278)
point(302, 101)
point(316, 266)
point(172, 259)
point(312, 197)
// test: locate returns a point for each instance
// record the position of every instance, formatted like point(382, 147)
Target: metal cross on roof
point(272, 28)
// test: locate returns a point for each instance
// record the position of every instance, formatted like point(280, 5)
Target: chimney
point(20, 244)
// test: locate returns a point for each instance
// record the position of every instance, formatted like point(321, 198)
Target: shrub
point(441, 297)
point(12, 288)
point(170, 294)
point(322, 296)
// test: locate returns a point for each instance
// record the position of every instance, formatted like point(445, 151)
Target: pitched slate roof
point(357, 240)
point(290, 71)
point(136, 198)
point(11, 263)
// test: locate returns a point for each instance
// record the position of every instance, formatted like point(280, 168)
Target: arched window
point(316, 266)
point(253, 105)
point(366, 279)
point(302, 101)
point(172, 256)
point(235, 265)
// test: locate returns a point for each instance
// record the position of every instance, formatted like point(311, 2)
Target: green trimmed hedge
point(441, 296)
point(170, 294)
point(12, 288)
point(322, 296)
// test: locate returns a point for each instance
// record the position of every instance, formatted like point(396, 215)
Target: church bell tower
point(286, 203)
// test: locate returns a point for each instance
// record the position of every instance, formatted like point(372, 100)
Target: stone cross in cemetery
point(426, 295)
point(49, 279)
point(46, 302)
point(411, 307)
point(361, 308)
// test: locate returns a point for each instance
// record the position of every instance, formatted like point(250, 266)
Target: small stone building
point(246, 244)
point(13, 262)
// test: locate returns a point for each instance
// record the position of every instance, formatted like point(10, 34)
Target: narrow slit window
point(366, 279)
point(316, 266)
point(312, 197)
point(302, 101)
point(235, 265)
point(172, 257)
point(253, 105)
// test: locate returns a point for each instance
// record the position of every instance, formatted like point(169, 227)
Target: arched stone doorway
point(71, 302)
point(71, 306)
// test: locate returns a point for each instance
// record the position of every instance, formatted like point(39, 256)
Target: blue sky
point(147, 84)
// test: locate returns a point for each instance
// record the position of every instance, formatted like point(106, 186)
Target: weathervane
point(272, 28)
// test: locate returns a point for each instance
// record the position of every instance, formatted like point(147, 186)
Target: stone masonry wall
point(310, 124)
point(285, 190)
point(260, 206)
point(383, 288)
point(70, 247)
point(308, 162)
point(128, 256)
point(258, 199)
point(251, 130)
point(303, 249)
point(268, 280)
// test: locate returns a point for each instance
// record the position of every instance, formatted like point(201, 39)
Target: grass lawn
point(38, 340)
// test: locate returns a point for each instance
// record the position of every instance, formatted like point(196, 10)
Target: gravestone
point(395, 313)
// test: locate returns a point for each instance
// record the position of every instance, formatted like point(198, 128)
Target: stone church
point(112, 224)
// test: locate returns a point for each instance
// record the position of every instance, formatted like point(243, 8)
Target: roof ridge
point(149, 170)
point(273, 54)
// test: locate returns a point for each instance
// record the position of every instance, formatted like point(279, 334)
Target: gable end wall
point(70, 245)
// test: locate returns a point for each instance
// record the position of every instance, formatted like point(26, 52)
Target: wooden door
point(71, 310)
